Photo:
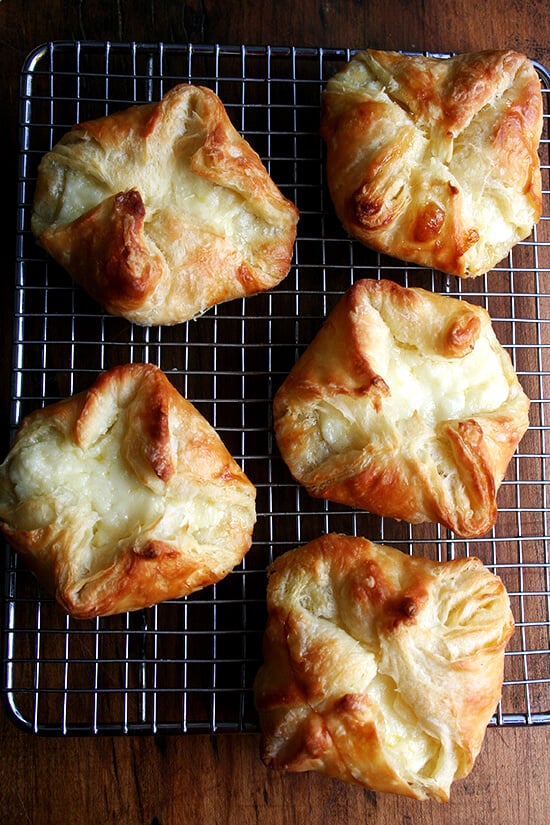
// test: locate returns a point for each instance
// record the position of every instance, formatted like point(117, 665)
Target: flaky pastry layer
point(162, 210)
point(123, 496)
point(380, 669)
point(406, 405)
point(435, 160)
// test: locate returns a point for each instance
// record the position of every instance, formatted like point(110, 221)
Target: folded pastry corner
point(380, 669)
point(405, 404)
point(123, 496)
point(435, 160)
point(161, 210)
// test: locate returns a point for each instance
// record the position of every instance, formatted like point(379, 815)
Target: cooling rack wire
point(189, 664)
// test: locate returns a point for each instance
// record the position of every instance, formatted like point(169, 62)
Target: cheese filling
point(423, 391)
point(217, 209)
point(110, 503)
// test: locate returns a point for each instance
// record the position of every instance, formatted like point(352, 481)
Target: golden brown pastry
point(162, 210)
point(404, 404)
point(123, 496)
point(434, 160)
point(380, 669)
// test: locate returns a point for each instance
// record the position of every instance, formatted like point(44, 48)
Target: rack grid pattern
point(189, 664)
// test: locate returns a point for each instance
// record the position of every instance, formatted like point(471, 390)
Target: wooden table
point(157, 780)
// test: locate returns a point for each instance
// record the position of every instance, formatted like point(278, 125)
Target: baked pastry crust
point(406, 405)
point(435, 160)
point(380, 669)
point(123, 496)
point(162, 210)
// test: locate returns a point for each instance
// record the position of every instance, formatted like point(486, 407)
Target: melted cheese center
point(98, 496)
point(96, 481)
point(430, 389)
point(174, 188)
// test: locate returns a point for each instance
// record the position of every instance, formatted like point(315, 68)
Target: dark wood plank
point(218, 780)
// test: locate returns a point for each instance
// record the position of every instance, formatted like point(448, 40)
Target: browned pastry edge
point(136, 262)
point(170, 450)
point(394, 480)
point(415, 203)
point(355, 626)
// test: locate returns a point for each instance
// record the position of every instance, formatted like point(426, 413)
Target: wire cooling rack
point(189, 664)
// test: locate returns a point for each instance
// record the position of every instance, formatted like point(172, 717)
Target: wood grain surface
point(219, 779)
